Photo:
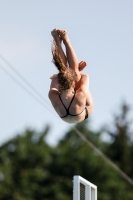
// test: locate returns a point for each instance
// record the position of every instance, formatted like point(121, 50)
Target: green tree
point(74, 157)
point(23, 163)
point(31, 169)
point(120, 150)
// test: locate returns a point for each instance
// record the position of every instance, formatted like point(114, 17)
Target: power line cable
point(98, 151)
point(23, 79)
point(24, 88)
point(105, 158)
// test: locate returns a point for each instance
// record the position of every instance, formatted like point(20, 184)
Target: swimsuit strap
point(67, 109)
point(64, 106)
point(78, 113)
point(71, 101)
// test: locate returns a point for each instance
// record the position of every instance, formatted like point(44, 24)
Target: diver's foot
point(82, 65)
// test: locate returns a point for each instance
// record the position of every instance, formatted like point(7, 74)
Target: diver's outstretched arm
point(58, 40)
point(70, 53)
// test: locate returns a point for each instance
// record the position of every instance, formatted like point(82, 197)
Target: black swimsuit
point(67, 109)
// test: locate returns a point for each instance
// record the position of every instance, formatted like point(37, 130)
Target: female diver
point(69, 92)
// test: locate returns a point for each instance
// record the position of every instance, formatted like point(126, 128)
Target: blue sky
point(101, 33)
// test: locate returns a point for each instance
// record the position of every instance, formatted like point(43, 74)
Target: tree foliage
point(31, 169)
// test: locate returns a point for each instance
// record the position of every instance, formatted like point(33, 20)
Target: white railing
point(83, 189)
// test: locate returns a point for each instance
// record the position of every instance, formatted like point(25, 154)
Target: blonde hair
point(66, 75)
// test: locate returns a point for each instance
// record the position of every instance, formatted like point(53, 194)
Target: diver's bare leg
point(58, 42)
point(89, 102)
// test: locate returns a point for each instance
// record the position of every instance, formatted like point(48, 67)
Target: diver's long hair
point(66, 75)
